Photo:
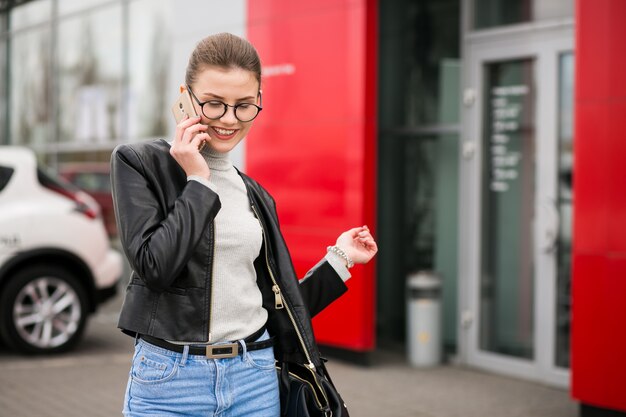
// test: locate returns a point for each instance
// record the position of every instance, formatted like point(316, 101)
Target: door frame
point(543, 42)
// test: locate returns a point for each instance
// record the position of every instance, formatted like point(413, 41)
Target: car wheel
point(44, 310)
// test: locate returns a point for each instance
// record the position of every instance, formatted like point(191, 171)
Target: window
point(30, 110)
point(507, 276)
point(90, 77)
point(149, 60)
point(72, 6)
point(492, 13)
point(419, 84)
point(31, 14)
point(75, 84)
point(5, 175)
point(4, 125)
point(565, 205)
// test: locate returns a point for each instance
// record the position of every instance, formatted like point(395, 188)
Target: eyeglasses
point(215, 109)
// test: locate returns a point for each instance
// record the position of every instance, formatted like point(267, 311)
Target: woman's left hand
point(358, 244)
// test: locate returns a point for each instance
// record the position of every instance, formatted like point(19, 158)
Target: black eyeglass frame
point(226, 106)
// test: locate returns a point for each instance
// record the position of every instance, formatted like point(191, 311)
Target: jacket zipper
point(278, 296)
point(211, 258)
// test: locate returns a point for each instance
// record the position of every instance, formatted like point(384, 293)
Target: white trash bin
point(424, 319)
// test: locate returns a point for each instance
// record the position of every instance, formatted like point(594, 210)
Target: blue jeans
point(165, 383)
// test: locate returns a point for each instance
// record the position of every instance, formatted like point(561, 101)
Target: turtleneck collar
point(216, 160)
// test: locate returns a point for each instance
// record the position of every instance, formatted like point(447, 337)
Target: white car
point(56, 261)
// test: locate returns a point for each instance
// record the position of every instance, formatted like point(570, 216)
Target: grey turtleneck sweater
point(237, 310)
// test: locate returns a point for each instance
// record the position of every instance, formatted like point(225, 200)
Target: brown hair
point(223, 50)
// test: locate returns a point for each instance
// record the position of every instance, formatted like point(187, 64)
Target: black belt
point(223, 350)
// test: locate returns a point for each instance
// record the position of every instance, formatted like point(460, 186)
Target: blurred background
point(453, 128)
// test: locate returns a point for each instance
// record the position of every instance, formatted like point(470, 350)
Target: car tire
point(43, 310)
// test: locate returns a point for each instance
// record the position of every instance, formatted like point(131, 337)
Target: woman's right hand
point(190, 134)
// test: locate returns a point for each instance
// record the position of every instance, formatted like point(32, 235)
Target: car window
point(52, 182)
point(89, 181)
point(5, 176)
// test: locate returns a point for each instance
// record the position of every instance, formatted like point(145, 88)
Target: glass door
point(508, 200)
point(516, 205)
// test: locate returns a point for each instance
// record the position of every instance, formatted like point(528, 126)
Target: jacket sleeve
point(321, 286)
point(158, 244)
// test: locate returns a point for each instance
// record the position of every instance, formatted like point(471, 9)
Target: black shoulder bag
point(305, 392)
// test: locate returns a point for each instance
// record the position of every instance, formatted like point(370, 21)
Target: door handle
point(553, 222)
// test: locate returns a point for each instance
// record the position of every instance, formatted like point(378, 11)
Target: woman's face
point(231, 86)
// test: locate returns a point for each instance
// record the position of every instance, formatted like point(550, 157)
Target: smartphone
point(183, 106)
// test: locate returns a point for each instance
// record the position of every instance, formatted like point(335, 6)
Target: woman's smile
point(222, 133)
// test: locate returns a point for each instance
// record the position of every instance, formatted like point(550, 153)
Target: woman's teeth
point(224, 132)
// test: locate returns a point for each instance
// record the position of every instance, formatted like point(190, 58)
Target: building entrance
point(516, 201)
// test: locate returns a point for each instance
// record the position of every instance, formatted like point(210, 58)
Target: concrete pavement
point(90, 381)
point(394, 389)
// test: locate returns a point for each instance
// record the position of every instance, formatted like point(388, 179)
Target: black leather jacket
point(166, 228)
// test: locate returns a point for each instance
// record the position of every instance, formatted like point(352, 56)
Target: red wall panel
point(616, 132)
point(599, 340)
point(591, 202)
point(600, 44)
point(599, 253)
point(313, 147)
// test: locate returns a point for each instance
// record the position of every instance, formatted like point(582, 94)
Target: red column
point(313, 146)
point(599, 253)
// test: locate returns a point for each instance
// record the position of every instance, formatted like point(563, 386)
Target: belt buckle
point(227, 350)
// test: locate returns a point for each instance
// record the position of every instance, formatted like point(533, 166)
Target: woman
point(213, 299)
